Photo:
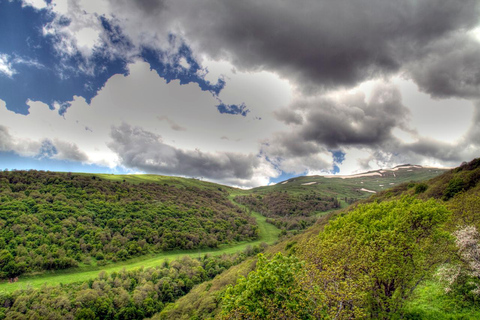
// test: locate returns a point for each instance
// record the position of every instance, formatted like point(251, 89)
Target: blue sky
point(171, 87)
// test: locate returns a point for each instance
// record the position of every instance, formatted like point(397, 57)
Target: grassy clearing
point(153, 178)
point(268, 234)
point(431, 302)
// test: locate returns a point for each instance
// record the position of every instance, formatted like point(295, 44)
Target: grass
point(341, 188)
point(268, 234)
point(431, 302)
point(153, 178)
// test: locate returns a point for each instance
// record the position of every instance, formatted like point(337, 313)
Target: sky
point(244, 93)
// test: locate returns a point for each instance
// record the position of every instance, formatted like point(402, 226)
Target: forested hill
point(408, 252)
point(295, 204)
point(54, 220)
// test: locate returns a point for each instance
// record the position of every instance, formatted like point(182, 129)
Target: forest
point(127, 294)
point(52, 221)
point(289, 211)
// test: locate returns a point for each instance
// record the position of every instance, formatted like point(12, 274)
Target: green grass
point(153, 178)
point(341, 188)
point(268, 234)
point(431, 302)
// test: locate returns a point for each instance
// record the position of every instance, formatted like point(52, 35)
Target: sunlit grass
point(431, 302)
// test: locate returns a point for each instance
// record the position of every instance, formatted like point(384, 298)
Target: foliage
point(60, 220)
point(455, 185)
point(464, 278)
point(465, 209)
point(273, 290)
point(421, 187)
point(429, 301)
point(289, 211)
point(369, 262)
point(132, 294)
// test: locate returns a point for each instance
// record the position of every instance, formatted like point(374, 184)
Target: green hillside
point(295, 204)
point(53, 221)
point(94, 210)
point(391, 256)
point(351, 186)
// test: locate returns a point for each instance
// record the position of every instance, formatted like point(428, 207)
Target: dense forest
point(289, 211)
point(132, 294)
point(52, 221)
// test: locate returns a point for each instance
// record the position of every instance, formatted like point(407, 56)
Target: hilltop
point(359, 185)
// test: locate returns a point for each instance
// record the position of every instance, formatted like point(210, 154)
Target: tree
point(370, 260)
point(273, 290)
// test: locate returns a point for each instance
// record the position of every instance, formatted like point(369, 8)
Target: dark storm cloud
point(321, 43)
point(145, 151)
point(352, 120)
point(288, 116)
point(450, 67)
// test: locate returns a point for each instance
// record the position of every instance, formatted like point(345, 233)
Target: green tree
point(371, 260)
point(273, 290)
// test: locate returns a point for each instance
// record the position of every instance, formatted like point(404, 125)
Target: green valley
point(159, 221)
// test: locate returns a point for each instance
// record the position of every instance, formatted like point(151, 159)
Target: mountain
point(356, 186)
point(445, 204)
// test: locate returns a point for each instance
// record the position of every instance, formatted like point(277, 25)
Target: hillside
point(52, 221)
point(297, 203)
point(111, 286)
point(357, 186)
point(446, 202)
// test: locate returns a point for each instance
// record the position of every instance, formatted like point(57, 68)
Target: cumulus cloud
point(314, 43)
point(183, 116)
point(320, 50)
point(351, 120)
point(449, 67)
point(46, 148)
point(317, 45)
point(146, 151)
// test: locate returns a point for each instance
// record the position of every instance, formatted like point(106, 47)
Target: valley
point(281, 215)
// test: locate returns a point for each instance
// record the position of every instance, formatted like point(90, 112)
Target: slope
point(458, 189)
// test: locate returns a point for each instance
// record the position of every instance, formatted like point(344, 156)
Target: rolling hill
point(458, 190)
point(93, 210)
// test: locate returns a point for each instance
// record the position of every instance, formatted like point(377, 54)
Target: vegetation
point(51, 221)
point(132, 294)
point(391, 256)
point(289, 211)
point(274, 290)
point(381, 258)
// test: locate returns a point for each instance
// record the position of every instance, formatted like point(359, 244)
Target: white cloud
point(6, 66)
point(446, 120)
point(37, 4)
point(184, 116)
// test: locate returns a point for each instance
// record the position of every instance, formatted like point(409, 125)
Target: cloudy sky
point(243, 93)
